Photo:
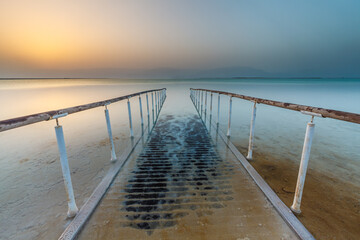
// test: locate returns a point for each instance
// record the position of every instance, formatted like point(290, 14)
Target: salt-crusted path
point(184, 185)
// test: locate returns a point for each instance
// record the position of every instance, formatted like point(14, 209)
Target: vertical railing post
point(108, 125)
point(141, 112)
point(159, 103)
point(201, 108)
point(156, 105)
point(218, 112)
point(195, 99)
point(161, 97)
point(205, 105)
point(199, 99)
point(251, 137)
point(147, 108)
point(152, 100)
point(229, 123)
point(130, 121)
point(211, 100)
point(295, 207)
point(164, 96)
point(72, 208)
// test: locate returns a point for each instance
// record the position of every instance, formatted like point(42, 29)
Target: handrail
point(326, 113)
point(197, 96)
point(45, 116)
point(160, 96)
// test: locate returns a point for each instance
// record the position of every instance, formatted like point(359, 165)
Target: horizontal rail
point(45, 116)
point(326, 113)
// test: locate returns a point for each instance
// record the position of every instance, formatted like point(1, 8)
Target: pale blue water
point(29, 167)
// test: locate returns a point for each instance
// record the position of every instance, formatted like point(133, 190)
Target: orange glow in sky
point(42, 35)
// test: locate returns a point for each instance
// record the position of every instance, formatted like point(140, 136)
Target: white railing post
point(156, 106)
point(141, 112)
point(72, 208)
point(229, 123)
point(251, 137)
point(152, 100)
point(161, 97)
point(108, 125)
point(130, 121)
point(147, 108)
point(205, 105)
point(195, 98)
point(198, 101)
point(202, 97)
point(211, 98)
point(164, 95)
point(295, 207)
point(218, 112)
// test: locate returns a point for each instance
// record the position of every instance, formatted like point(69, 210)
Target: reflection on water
point(31, 188)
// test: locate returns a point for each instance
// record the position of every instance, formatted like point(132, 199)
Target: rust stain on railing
point(45, 116)
point(326, 113)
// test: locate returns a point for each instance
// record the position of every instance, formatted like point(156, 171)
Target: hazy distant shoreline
point(202, 78)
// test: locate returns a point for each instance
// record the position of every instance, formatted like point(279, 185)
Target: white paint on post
point(229, 123)
point(112, 146)
point(202, 99)
point(152, 100)
point(141, 112)
point(198, 101)
point(303, 167)
point(130, 121)
point(164, 92)
point(72, 208)
point(218, 113)
point(251, 137)
point(211, 98)
point(159, 103)
point(205, 104)
point(156, 106)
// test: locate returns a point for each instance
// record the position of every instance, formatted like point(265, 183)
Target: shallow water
point(31, 188)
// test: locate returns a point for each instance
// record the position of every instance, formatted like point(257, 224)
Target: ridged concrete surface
point(183, 187)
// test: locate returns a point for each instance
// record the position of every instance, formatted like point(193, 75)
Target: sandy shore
point(330, 205)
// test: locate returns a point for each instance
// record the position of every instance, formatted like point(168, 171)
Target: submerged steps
point(181, 186)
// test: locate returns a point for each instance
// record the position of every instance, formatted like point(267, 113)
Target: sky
point(51, 38)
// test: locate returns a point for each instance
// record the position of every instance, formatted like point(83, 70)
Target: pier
point(181, 177)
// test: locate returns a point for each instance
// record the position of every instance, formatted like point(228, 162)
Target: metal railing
point(197, 96)
point(160, 95)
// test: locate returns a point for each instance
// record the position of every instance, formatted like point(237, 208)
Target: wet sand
point(330, 205)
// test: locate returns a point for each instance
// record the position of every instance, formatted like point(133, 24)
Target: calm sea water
point(30, 173)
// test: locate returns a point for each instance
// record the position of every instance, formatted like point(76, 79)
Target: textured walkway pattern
point(181, 187)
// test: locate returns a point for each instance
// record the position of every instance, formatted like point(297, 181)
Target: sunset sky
point(51, 37)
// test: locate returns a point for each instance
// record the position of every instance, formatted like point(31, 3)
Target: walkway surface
point(183, 186)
